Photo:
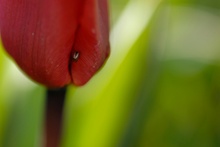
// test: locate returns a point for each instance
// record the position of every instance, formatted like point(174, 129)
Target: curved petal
point(39, 35)
point(56, 42)
point(92, 41)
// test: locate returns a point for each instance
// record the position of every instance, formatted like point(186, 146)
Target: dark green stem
point(54, 116)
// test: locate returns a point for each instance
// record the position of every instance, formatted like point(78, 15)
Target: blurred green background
point(159, 88)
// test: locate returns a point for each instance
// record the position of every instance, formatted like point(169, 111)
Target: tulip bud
point(56, 42)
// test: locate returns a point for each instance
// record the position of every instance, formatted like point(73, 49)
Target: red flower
point(56, 42)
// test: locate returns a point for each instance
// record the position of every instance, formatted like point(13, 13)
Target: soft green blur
point(21, 107)
point(159, 88)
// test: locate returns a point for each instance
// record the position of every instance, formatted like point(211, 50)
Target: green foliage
point(22, 106)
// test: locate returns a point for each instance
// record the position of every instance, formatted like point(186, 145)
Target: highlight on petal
point(42, 36)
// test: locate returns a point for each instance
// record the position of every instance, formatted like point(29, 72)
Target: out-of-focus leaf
point(25, 120)
point(185, 111)
point(198, 3)
point(116, 7)
point(22, 105)
point(3, 103)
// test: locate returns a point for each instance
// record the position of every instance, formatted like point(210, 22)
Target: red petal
point(39, 35)
point(91, 41)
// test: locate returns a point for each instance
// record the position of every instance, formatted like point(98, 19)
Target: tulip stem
point(54, 114)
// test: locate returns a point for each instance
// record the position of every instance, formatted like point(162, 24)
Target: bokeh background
point(159, 88)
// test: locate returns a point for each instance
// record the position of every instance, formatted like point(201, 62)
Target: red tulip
point(56, 42)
